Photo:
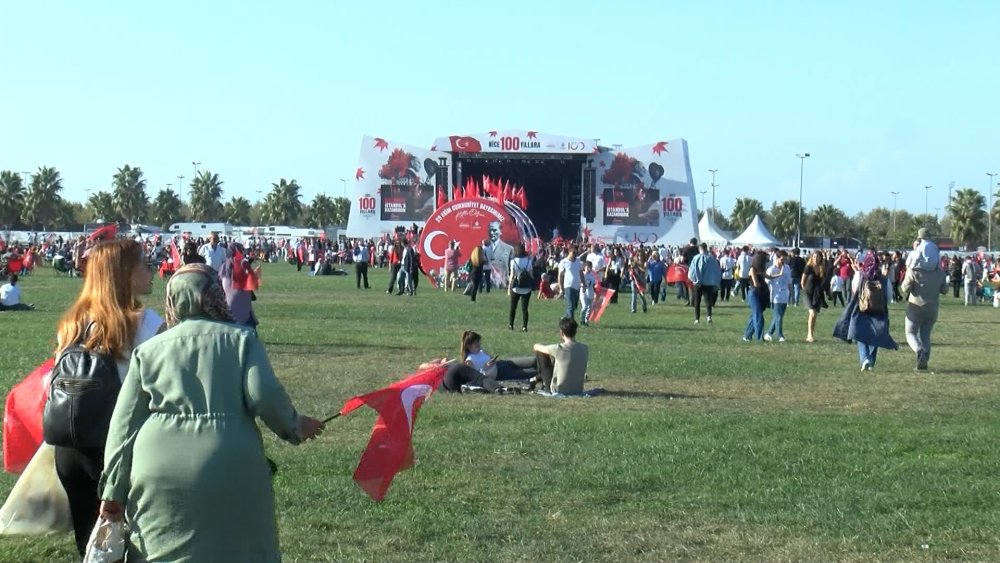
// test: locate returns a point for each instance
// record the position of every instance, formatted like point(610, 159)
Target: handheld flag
point(107, 232)
point(603, 297)
point(22, 418)
point(390, 448)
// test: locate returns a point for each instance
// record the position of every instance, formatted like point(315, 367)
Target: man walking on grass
point(706, 275)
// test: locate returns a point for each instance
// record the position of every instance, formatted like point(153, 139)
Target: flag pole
point(328, 419)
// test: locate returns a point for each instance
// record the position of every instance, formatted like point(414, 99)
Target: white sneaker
point(696, 321)
point(866, 365)
point(745, 339)
point(767, 338)
point(782, 339)
point(710, 319)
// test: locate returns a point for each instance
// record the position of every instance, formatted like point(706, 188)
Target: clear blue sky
point(887, 96)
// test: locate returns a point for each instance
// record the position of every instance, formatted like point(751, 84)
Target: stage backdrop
point(645, 195)
point(394, 185)
point(515, 141)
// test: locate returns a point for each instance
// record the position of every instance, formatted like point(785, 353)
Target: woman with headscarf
point(870, 329)
point(185, 463)
point(238, 282)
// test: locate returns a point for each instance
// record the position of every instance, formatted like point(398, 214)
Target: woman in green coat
point(184, 460)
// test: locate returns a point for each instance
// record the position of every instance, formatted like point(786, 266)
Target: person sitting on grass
point(471, 352)
point(562, 367)
point(10, 296)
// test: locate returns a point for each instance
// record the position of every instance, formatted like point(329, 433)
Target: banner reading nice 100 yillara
point(645, 195)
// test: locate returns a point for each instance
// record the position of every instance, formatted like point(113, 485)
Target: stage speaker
point(589, 194)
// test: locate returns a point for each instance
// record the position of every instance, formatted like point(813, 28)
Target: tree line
point(964, 221)
point(37, 204)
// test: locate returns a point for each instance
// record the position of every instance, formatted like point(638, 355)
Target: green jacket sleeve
point(131, 411)
point(264, 395)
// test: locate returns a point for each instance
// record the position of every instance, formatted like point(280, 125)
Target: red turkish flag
point(22, 418)
point(390, 448)
point(603, 297)
point(107, 232)
point(465, 144)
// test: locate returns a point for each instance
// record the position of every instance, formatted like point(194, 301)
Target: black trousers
point(459, 374)
point(393, 272)
point(524, 299)
point(361, 271)
point(726, 287)
point(744, 286)
point(709, 293)
point(476, 279)
point(79, 473)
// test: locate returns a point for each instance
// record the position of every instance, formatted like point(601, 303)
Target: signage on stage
point(394, 185)
point(644, 195)
point(515, 141)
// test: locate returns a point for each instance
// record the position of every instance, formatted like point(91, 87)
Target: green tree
point(744, 211)
point(129, 194)
point(967, 211)
point(827, 220)
point(102, 207)
point(43, 200)
point(166, 208)
point(11, 198)
point(283, 204)
point(784, 220)
point(237, 211)
point(322, 212)
point(206, 197)
point(343, 205)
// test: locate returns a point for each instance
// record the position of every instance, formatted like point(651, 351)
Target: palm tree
point(826, 220)
point(102, 207)
point(784, 219)
point(744, 211)
point(283, 203)
point(11, 198)
point(968, 217)
point(130, 194)
point(206, 197)
point(237, 211)
point(166, 208)
point(41, 204)
point(322, 212)
point(343, 206)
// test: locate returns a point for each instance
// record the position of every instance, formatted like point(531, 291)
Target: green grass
point(705, 448)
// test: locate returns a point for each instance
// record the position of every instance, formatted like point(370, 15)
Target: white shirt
point(571, 271)
point(589, 281)
point(727, 263)
point(10, 295)
point(214, 257)
point(597, 260)
point(779, 286)
point(478, 360)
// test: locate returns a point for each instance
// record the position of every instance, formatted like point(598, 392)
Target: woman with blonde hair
point(109, 317)
point(813, 286)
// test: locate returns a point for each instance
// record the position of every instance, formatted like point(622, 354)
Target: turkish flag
point(603, 295)
point(390, 448)
point(244, 277)
point(465, 144)
point(175, 255)
point(22, 418)
point(677, 273)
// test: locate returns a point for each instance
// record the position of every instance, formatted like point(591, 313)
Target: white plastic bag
point(37, 504)
point(107, 542)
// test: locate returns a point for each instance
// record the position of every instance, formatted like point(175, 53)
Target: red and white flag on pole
point(390, 448)
point(602, 296)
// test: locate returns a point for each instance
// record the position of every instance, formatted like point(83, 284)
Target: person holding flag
point(184, 458)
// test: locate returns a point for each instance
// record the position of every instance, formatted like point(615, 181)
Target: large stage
point(567, 186)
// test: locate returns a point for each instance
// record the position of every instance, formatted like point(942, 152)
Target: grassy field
point(704, 448)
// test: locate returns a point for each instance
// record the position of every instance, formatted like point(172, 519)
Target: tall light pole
point(927, 190)
point(344, 180)
point(802, 169)
point(894, 196)
point(713, 191)
point(180, 187)
point(989, 214)
point(195, 164)
point(703, 192)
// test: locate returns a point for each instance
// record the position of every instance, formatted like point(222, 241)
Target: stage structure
point(570, 187)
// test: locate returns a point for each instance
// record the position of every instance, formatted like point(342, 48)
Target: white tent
point(710, 233)
point(756, 234)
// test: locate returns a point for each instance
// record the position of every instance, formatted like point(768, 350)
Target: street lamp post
point(180, 188)
point(713, 191)
point(989, 214)
point(195, 164)
point(894, 196)
point(703, 192)
point(344, 180)
point(802, 169)
point(927, 190)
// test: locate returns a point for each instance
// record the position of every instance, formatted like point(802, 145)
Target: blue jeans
point(572, 296)
point(585, 309)
point(755, 324)
point(636, 295)
point(796, 291)
point(867, 352)
point(778, 320)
